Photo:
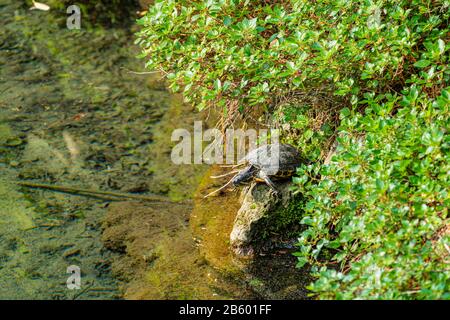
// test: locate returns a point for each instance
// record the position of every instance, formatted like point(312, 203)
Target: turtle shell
point(279, 160)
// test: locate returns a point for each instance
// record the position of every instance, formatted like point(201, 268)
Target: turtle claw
point(276, 193)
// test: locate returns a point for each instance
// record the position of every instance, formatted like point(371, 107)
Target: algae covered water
point(71, 113)
point(76, 111)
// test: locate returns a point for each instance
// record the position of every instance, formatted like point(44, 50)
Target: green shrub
point(375, 75)
point(237, 54)
point(382, 203)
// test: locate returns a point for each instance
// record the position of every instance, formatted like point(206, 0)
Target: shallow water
point(73, 113)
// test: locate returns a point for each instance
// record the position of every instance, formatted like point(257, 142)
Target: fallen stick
point(81, 191)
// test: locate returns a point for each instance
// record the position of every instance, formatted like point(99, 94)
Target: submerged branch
point(87, 192)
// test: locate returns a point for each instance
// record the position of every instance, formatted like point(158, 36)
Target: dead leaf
point(40, 6)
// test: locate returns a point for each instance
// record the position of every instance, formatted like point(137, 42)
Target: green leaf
point(301, 261)
point(217, 84)
point(422, 63)
point(227, 21)
point(345, 112)
point(441, 45)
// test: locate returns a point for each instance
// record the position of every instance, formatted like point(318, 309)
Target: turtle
point(270, 161)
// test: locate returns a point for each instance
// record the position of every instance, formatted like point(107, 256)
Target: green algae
point(212, 221)
point(16, 216)
point(16, 212)
point(81, 83)
point(51, 78)
point(159, 260)
point(7, 137)
point(283, 223)
point(37, 244)
point(178, 181)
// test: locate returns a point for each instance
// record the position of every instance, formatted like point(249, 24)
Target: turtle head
point(244, 175)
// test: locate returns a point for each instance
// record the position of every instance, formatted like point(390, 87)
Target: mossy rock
point(265, 219)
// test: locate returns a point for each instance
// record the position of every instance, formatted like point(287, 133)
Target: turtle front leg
point(262, 175)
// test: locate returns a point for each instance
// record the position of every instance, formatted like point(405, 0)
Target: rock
point(260, 207)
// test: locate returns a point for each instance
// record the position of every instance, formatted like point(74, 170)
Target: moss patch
point(15, 211)
point(7, 137)
point(283, 223)
point(158, 257)
point(212, 221)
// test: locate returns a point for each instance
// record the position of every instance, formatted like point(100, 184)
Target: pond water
point(73, 112)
